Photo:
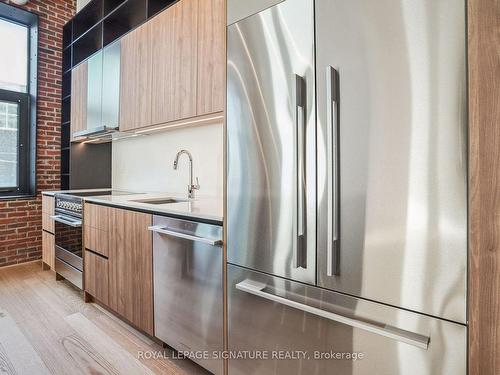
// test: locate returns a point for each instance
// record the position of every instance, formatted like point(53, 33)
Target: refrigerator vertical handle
point(333, 245)
point(300, 102)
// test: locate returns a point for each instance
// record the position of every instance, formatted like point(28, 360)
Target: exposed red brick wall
point(21, 219)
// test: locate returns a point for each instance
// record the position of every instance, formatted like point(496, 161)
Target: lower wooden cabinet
point(48, 242)
point(131, 267)
point(119, 268)
point(48, 251)
point(97, 276)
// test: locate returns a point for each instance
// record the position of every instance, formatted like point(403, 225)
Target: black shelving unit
point(65, 135)
point(67, 34)
point(98, 24)
point(156, 6)
point(88, 44)
point(86, 18)
point(66, 84)
point(111, 5)
point(66, 110)
point(126, 17)
point(65, 161)
point(101, 22)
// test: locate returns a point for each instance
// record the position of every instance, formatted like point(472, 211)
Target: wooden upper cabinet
point(175, 62)
point(211, 57)
point(79, 88)
point(136, 78)
point(131, 267)
point(173, 67)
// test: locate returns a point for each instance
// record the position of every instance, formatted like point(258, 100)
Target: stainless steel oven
point(68, 238)
point(68, 232)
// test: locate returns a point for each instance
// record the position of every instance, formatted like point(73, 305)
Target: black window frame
point(26, 171)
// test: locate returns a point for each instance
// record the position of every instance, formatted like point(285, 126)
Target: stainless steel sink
point(160, 200)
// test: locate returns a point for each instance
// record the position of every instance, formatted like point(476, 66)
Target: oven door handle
point(66, 220)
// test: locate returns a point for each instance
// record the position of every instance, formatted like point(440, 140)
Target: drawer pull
point(411, 338)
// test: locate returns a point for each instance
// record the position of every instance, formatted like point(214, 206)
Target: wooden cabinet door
point(175, 62)
point(47, 212)
point(48, 250)
point(96, 276)
point(131, 267)
point(211, 59)
point(136, 78)
point(79, 83)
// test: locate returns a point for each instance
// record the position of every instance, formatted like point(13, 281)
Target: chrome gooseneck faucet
point(191, 187)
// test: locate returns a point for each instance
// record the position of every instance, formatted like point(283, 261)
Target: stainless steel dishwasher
point(188, 288)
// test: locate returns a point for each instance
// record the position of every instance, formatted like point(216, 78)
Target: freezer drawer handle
point(65, 220)
point(163, 230)
point(411, 338)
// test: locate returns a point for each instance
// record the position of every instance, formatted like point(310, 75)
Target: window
point(18, 50)
point(14, 61)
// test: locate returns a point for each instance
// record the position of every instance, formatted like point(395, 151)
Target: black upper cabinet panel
point(156, 6)
point(64, 182)
point(66, 60)
point(90, 15)
point(66, 84)
point(122, 20)
point(65, 135)
point(66, 110)
point(111, 5)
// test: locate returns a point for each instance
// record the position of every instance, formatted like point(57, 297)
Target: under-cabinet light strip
point(180, 124)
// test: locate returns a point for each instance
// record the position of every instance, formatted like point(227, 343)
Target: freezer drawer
point(270, 314)
point(188, 291)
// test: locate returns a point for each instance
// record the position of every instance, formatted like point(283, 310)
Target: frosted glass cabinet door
point(111, 85)
point(94, 91)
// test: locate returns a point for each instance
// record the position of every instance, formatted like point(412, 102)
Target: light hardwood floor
point(46, 328)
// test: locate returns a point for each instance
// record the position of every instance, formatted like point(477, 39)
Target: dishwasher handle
point(411, 338)
point(165, 230)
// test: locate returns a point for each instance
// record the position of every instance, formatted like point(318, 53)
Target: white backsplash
point(145, 163)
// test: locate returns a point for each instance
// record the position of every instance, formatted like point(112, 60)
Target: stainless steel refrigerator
point(347, 187)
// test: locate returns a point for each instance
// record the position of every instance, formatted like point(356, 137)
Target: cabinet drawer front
point(97, 216)
point(96, 240)
point(48, 244)
point(48, 205)
point(376, 331)
point(47, 223)
point(96, 276)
